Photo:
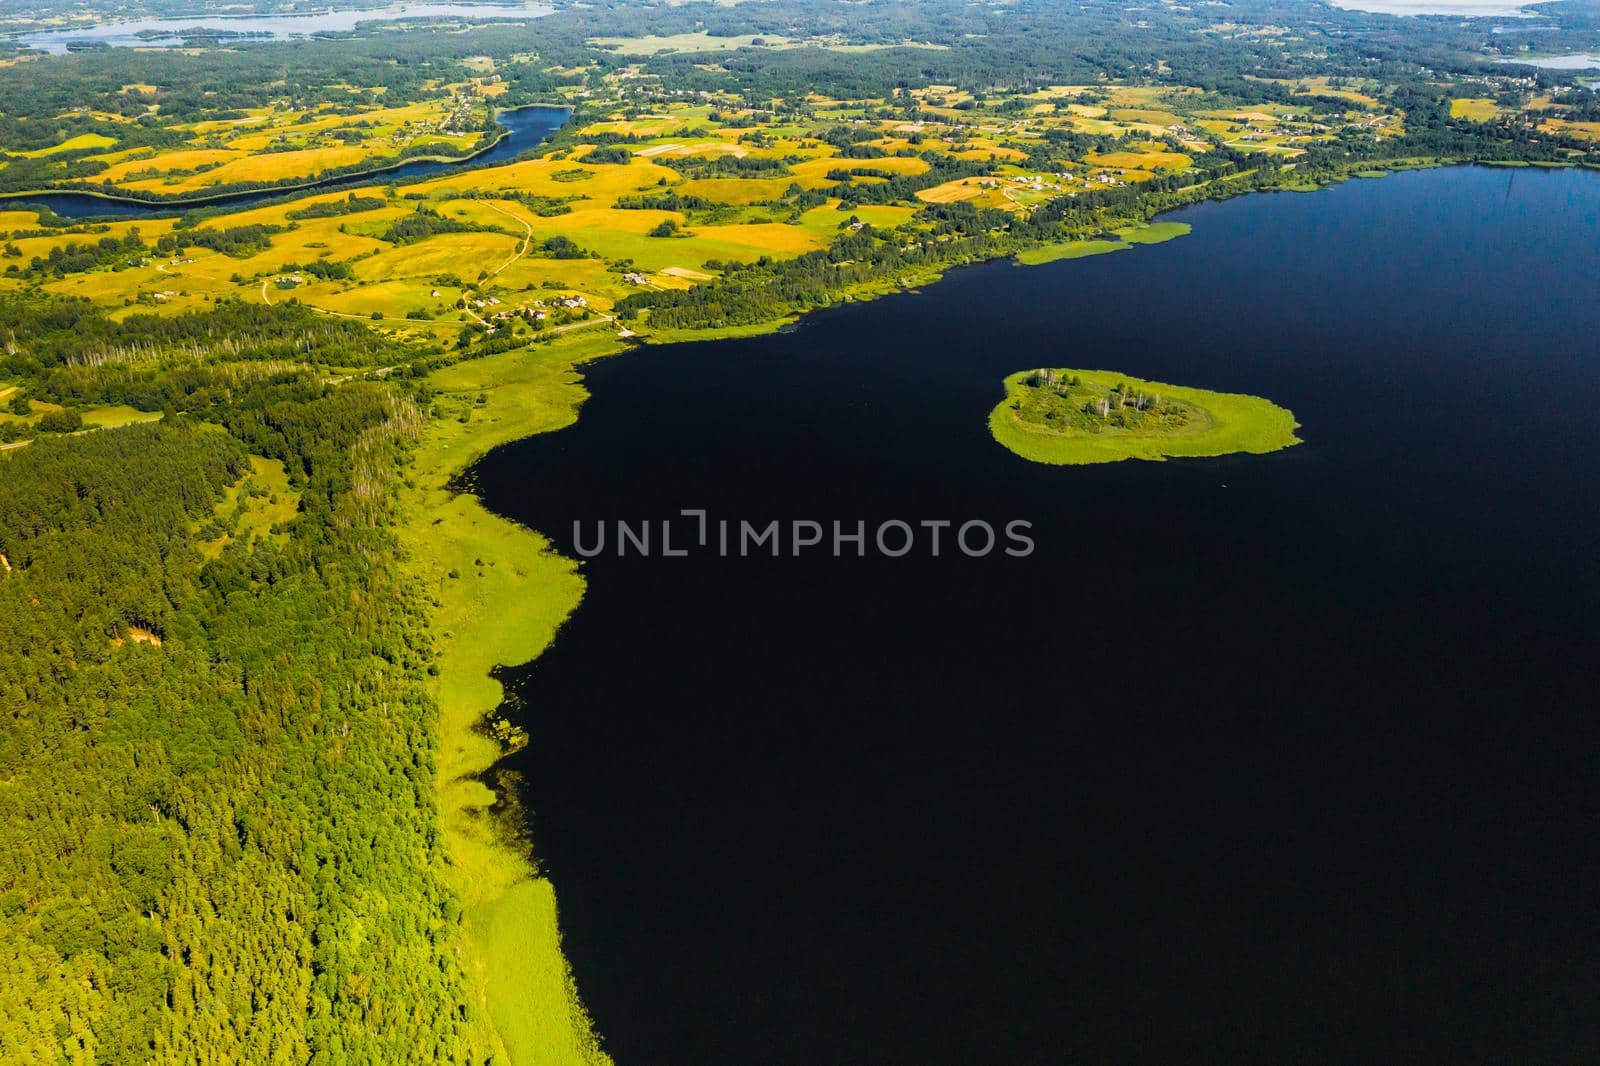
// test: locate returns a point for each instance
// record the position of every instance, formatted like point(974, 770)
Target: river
point(1285, 758)
point(526, 128)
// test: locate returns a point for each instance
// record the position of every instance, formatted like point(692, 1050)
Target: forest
point(218, 774)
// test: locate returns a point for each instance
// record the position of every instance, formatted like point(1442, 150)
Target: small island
point(1075, 417)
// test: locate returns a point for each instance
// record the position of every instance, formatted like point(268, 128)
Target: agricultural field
point(273, 145)
point(1475, 109)
point(645, 196)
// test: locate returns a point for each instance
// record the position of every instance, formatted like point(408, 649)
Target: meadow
point(501, 594)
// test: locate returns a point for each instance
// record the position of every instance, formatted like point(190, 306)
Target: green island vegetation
point(1077, 417)
point(250, 752)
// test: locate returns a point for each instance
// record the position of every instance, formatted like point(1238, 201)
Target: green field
point(1127, 237)
point(1052, 429)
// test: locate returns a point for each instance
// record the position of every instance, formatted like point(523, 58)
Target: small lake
point(1284, 758)
point(169, 33)
point(526, 128)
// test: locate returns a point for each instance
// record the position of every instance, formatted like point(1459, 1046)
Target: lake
point(1576, 61)
point(1463, 8)
point(1280, 758)
point(526, 128)
point(170, 33)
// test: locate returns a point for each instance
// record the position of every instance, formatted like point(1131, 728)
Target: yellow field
point(1093, 125)
point(186, 159)
point(818, 168)
point(602, 184)
point(981, 192)
point(270, 146)
point(277, 166)
point(951, 191)
point(1321, 87)
point(14, 220)
point(1141, 160)
point(447, 253)
point(1155, 118)
point(982, 149)
point(1136, 95)
point(825, 221)
point(73, 144)
point(1475, 109)
point(1587, 130)
point(743, 190)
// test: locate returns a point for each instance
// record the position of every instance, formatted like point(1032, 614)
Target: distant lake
point(1579, 61)
point(1469, 8)
point(1282, 758)
point(167, 33)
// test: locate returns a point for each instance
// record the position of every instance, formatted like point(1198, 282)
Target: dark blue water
point(1285, 758)
point(526, 127)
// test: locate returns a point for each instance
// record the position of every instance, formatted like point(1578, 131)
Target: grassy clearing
point(1149, 233)
point(1050, 253)
point(508, 595)
point(252, 509)
point(115, 416)
point(1218, 423)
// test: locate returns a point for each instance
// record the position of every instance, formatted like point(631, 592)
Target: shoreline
point(500, 594)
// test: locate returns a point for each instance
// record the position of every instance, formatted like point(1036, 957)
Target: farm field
point(639, 199)
point(274, 145)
